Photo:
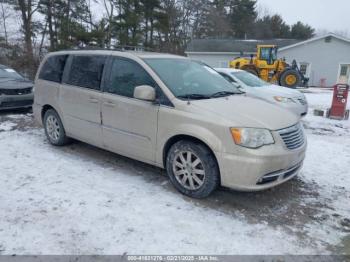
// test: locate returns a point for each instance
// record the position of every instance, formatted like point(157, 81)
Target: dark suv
point(15, 90)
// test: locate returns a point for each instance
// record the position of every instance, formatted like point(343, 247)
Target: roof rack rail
point(121, 48)
point(134, 48)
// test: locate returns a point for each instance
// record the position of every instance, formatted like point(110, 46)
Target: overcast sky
point(332, 15)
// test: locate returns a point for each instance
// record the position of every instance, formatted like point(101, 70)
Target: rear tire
point(192, 169)
point(54, 129)
point(290, 78)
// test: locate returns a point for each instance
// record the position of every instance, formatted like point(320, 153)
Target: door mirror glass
point(240, 88)
point(145, 92)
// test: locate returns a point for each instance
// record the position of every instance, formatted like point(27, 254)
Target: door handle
point(109, 104)
point(93, 100)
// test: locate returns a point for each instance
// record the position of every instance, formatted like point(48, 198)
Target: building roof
point(315, 39)
point(233, 45)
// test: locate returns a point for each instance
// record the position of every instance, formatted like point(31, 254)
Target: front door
point(129, 125)
point(80, 98)
point(305, 68)
point(344, 74)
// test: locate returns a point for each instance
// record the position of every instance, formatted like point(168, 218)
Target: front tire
point(192, 169)
point(54, 129)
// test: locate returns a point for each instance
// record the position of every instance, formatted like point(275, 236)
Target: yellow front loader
point(268, 67)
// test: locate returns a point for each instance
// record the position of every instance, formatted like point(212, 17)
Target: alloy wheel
point(53, 127)
point(188, 170)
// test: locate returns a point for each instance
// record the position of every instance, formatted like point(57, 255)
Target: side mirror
point(145, 92)
point(240, 88)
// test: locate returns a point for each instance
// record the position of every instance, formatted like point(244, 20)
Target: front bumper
point(260, 169)
point(16, 101)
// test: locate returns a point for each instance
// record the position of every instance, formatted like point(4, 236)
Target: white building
point(325, 60)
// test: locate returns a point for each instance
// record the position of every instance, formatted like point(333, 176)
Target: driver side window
point(125, 76)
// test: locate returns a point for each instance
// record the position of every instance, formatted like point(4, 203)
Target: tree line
point(159, 25)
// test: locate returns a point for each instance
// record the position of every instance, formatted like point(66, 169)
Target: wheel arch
point(45, 108)
point(180, 137)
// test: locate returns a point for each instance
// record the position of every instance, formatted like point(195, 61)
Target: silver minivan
point(171, 112)
point(253, 86)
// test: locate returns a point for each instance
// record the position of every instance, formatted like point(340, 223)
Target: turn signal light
point(236, 135)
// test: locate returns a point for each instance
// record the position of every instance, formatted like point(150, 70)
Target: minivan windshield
point(9, 73)
point(250, 79)
point(190, 79)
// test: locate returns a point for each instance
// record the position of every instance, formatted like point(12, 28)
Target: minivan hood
point(243, 111)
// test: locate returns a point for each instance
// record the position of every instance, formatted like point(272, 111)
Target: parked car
point(15, 90)
point(291, 99)
point(170, 112)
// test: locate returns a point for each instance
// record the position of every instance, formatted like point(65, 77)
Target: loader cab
point(267, 53)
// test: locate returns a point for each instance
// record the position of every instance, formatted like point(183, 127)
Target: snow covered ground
point(82, 200)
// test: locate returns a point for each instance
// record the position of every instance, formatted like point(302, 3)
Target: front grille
point(279, 175)
point(14, 92)
point(16, 104)
point(293, 137)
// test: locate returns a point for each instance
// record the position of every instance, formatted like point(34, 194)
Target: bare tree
point(27, 8)
point(109, 8)
point(5, 15)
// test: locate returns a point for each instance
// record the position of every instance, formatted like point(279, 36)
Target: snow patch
point(7, 126)
point(55, 202)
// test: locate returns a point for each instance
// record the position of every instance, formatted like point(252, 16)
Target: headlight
point(252, 137)
point(283, 99)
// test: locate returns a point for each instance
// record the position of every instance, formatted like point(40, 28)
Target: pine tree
point(128, 22)
point(279, 28)
point(242, 16)
point(302, 31)
point(151, 10)
point(270, 27)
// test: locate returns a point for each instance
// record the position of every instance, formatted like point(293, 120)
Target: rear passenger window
point(86, 71)
point(53, 68)
point(125, 76)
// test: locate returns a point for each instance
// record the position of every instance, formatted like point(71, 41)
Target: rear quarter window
point(53, 68)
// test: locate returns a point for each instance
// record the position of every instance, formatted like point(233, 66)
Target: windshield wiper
point(194, 96)
point(224, 93)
